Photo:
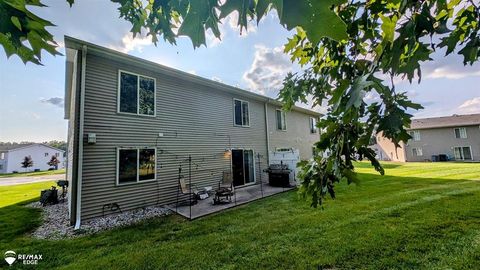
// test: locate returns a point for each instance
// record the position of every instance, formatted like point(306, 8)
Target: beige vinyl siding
point(297, 134)
point(193, 119)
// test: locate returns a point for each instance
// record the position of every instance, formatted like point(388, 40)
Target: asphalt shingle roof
point(4, 147)
point(446, 121)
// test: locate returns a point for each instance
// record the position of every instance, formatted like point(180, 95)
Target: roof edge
point(74, 43)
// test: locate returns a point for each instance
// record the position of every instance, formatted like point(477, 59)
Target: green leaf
point(388, 27)
point(192, 25)
point(16, 22)
point(264, 5)
point(315, 17)
point(356, 97)
point(241, 6)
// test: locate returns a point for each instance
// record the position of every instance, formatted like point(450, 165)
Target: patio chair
point(185, 189)
point(225, 190)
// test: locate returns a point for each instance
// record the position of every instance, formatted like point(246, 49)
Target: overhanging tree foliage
point(348, 49)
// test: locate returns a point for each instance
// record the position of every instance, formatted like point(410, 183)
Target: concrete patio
point(243, 195)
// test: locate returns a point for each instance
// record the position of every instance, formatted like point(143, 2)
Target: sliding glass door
point(243, 167)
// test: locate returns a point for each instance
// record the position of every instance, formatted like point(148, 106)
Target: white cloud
point(450, 67)
point(229, 26)
point(269, 68)
point(129, 43)
point(449, 73)
point(56, 101)
point(470, 106)
point(217, 79)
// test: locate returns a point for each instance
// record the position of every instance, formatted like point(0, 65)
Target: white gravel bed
point(56, 223)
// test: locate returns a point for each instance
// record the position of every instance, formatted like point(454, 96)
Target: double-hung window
point(460, 133)
point(313, 125)
point(136, 94)
point(415, 135)
point(241, 113)
point(281, 120)
point(135, 165)
point(417, 152)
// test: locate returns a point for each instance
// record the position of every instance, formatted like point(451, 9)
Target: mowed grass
point(23, 174)
point(10, 195)
point(418, 216)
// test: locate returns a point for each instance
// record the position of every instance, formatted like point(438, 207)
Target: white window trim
point(284, 115)
point(463, 156)
point(117, 182)
point(460, 133)
point(310, 125)
point(241, 112)
point(120, 71)
point(413, 132)
point(416, 149)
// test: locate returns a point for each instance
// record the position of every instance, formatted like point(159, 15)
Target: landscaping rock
point(56, 223)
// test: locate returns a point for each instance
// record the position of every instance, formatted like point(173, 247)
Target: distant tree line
point(57, 144)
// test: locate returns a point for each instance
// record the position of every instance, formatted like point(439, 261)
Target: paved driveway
point(10, 181)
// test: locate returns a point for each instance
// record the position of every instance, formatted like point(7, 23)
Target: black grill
point(279, 175)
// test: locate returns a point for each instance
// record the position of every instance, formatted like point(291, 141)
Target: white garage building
point(11, 157)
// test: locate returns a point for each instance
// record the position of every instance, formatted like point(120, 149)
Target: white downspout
point(80, 140)
point(267, 132)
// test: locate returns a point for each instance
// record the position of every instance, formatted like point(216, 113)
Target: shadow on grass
point(411, 218)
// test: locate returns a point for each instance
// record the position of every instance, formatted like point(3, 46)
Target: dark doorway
point(242, 167)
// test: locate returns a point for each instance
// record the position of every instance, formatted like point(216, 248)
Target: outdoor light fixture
point(92, 138)
point(227, 152)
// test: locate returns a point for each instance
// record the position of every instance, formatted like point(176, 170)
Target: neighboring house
point(11, 157)
point(456, 137)
point(133, 123)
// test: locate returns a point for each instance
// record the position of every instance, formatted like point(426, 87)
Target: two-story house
point(455, 137)
point(133, 123)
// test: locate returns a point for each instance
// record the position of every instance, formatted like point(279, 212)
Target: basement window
point(281, 120)
point(136, 94)
point(241, 113)
point(135, 165)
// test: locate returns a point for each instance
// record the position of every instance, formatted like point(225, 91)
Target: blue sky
point(31, 104)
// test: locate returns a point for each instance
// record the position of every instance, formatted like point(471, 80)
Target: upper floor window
point(281, 120)
point(460, 133)
point(415, 135)
point(136, 94)
point(313, 125)
point(241, 113)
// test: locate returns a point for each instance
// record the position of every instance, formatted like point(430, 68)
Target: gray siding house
point(133, 123)
point(456, 136)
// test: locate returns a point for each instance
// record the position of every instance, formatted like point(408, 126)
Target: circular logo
point(10, 257)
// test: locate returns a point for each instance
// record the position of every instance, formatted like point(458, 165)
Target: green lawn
point(418, 216)
point(10, 195)
point(61, 171)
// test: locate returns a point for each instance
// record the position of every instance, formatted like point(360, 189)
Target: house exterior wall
point(3, 162)
point(437, 141)
point(193, 120)
point(40, 155)
point(386, 150)
point(297, 135)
